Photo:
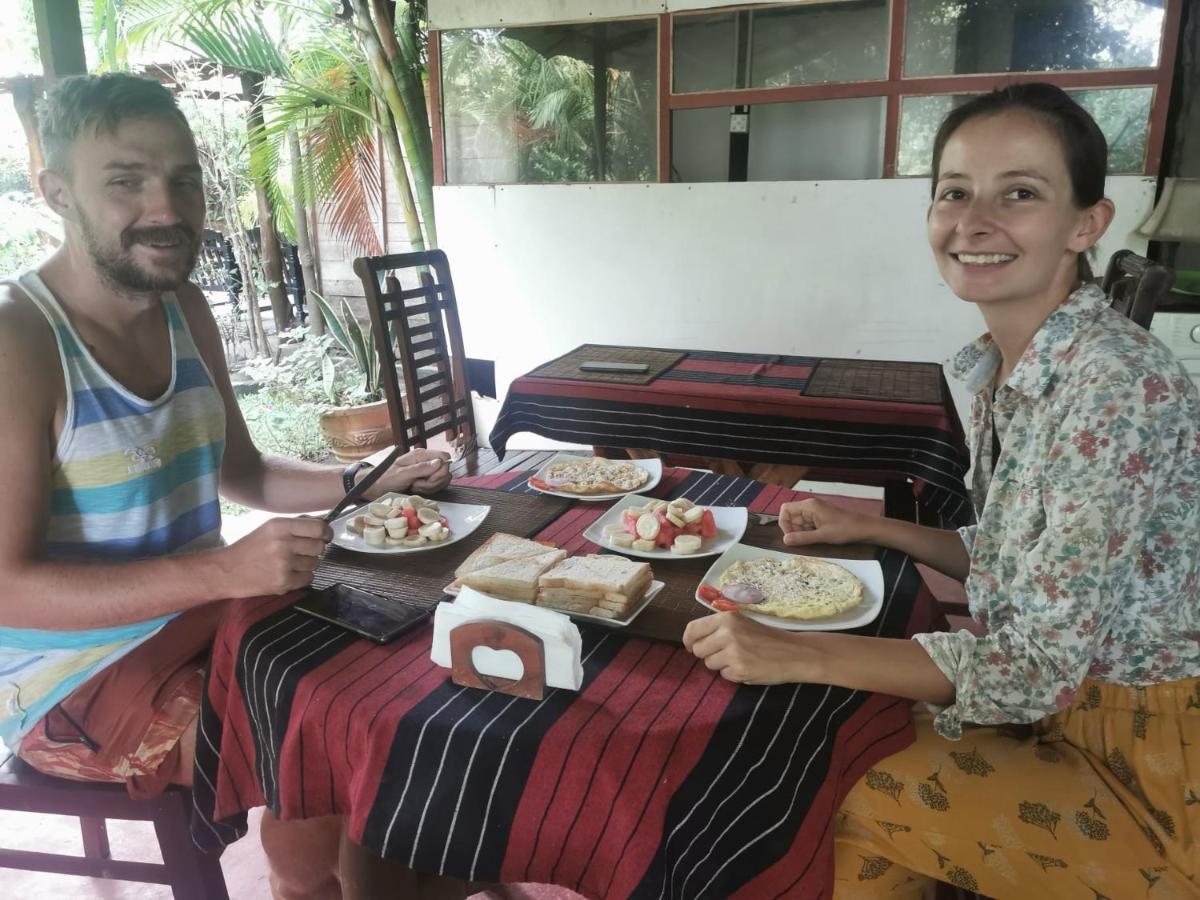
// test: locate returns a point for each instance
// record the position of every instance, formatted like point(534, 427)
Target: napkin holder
point(498, 635)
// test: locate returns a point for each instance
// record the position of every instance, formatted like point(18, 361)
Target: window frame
point(894, 88)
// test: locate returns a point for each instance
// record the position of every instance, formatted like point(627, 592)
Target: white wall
point(837, 268)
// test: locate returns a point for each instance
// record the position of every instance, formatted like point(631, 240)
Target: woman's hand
point(748, 652)
point(817, 522)
point(418, 471)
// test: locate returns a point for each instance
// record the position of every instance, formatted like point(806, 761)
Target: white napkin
point(559, 635)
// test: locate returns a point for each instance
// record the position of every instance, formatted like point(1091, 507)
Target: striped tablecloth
point(657, 779)
point(760, 408)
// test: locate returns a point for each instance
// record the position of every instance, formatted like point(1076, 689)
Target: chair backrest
point(1136, 286)
point(415, 319)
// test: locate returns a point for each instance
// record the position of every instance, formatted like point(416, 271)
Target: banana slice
point(613, 528)
point(355, 525)
point(623, 539)
point(398, 502)
point(648, 527)
point(683, 503)
point(372, 521)
point(415, 540)
point(443, 534)
point(695, 514)
point(427, 515)
point(395, 542)
point(380, 510)
point(430, 530)
point(406, 503)
point(644, 546)
point(685, 544)
point(396, 528)
point(375, 536)
point(675, 519)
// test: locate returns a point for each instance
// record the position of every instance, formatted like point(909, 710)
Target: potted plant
point(356, 424)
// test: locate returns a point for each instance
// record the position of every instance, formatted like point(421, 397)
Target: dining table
point(860, 420)
point(657, 778)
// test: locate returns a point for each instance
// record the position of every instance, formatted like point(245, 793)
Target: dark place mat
point(420, 577)
point(852, 379)
point(567, 365)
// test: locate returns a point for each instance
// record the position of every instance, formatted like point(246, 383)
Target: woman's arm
point(746, 651)
point(818, 522)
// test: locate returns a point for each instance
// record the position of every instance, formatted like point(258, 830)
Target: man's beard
point(118, 267)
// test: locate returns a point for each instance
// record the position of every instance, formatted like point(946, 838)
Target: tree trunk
point(272, 254)
point(316, 321)
point(402, 54)
point(24, 97)
point(398, 124)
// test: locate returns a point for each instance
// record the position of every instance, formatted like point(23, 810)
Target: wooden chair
point(417, 328)
point(190, 873)
point(1136, 285)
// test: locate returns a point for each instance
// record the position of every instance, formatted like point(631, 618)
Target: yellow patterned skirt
point(1101, 800)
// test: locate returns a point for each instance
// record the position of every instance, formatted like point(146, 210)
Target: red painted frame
point(894, 88)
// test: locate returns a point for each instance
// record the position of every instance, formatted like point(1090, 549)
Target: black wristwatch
point(351, 472)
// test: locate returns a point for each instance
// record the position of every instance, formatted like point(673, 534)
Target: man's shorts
point(132, 721)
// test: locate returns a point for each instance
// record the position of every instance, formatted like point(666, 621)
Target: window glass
point(523, 105)
point(949, 37)
point(810, 141)
point(819, 43)
point(705, 53)
point(1123, 114)
point(769, 47)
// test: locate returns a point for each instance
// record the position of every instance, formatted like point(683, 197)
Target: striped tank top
point(131, 479)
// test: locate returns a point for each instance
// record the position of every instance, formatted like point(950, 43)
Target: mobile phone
point(622, 367)
point(371, 616)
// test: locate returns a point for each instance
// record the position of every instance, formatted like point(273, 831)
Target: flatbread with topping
point(594, 476)
point(799, 588)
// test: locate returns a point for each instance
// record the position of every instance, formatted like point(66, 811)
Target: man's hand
point(277, 557)
point(817, 522)
point(418, 471)
point(748, 652)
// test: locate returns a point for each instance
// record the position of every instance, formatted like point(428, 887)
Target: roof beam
point(60, 38)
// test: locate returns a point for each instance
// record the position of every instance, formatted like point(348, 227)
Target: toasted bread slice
point(498, 548)
point(512, 579)
point(587, 583)
point(799, 588)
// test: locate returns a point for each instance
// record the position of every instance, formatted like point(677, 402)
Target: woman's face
point(1003, 225)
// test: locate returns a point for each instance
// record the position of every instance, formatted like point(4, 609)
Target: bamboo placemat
point(420, 577)
point(852, 379)
point(567, 365)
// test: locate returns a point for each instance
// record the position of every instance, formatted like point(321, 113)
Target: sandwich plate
point(653, 466)
point(461, 518)
point(731, 525)
point(651, 593)
point(868, 571)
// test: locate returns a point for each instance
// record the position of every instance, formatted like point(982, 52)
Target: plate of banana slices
point(400, 523)
point(667, 529)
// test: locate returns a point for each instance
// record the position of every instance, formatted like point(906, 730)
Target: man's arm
point(277, 483)
point(66, 596)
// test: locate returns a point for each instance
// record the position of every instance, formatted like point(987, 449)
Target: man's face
point(139, 202)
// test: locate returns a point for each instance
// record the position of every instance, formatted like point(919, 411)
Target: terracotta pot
point(355, 432)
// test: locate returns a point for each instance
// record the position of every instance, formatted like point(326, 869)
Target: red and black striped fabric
point(657, 779)
point(751, 407)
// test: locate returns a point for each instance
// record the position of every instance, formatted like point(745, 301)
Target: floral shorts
point(1101, 800)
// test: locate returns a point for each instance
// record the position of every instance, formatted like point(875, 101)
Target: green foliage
point(317, 371)
point(281, 423)
point(21, 246)
point(359, 345)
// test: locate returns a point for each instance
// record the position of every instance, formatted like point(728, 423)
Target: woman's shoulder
point(1115, 351)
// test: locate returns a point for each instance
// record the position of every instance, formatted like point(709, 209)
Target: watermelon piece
point(629, 520)
point(413, 522)
point(708, 525)
point(691, 528)
point(444, 521)
point(666, 535)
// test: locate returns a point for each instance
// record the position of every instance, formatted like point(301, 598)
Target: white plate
point(651, 593)
point(868, 571)
point(653, 466)
point(463, 518)
point(731, 525)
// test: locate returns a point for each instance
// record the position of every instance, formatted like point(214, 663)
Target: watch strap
point(350, 473)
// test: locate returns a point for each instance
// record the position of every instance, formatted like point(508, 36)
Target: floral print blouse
point(1086, 557)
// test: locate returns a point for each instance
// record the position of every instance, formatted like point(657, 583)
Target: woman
point(1063, 758)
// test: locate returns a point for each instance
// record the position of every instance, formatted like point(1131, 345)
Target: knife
point(359, 489)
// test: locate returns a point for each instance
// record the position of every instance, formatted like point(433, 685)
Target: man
point(120, 426)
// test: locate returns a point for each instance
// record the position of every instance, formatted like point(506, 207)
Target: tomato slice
point(710, 593)
point(539, 484)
